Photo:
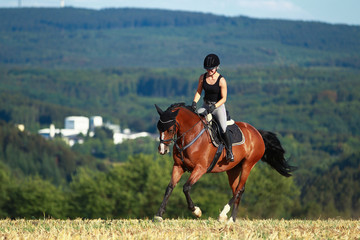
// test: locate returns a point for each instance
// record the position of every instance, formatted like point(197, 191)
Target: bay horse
point(193, 151)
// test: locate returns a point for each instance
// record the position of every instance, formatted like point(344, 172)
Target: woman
point(214, 86)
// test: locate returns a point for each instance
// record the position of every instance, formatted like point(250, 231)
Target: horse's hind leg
point(240, 189)
point(194, 177)
point(233, 177)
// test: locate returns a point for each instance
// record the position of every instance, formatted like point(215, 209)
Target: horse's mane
point(177, 105)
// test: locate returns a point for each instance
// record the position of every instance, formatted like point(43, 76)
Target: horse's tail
point(274, 154)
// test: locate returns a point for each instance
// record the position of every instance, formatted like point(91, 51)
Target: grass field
point(179, 229)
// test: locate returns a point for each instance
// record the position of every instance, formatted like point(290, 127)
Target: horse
point(193, 151)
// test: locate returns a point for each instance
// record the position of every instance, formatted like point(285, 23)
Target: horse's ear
point(159, 110)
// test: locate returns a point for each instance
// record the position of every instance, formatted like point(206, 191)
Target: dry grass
point(179, 229)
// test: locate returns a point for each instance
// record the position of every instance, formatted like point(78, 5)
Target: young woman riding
point(215, 88)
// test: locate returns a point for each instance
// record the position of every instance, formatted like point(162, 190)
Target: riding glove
point(193, 106)
point(211, 107)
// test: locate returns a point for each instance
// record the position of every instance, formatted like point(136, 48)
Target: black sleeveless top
point(212, 92)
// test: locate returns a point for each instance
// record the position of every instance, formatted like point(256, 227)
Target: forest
point(297, 79)
point(315, 112)
point(35, 186)
point(83, 38)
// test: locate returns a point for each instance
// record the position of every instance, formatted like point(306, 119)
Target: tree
point(5, 185)
point(35, 198)
point(139, 185)
point(90, 195)
point(334, 191)
point(270, 195)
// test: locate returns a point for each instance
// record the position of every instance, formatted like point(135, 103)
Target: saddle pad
point(236, 136)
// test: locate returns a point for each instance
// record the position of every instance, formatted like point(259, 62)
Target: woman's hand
point(193, 106)
point(212, 107)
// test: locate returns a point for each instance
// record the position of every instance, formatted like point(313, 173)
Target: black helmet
point(211, 61)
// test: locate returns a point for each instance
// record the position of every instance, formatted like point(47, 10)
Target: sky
point(329, 11)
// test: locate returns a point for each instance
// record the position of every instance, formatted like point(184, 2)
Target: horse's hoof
point(197, 212)
point(157, 219)
point(222, 218)
point(230, 221)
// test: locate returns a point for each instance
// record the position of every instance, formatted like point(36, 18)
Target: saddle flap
point(236, 135)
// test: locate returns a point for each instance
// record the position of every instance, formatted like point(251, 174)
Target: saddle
point(235, 133)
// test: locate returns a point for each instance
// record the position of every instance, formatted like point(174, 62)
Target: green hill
point(31, 155)
point(81, 38)
point(298, 79)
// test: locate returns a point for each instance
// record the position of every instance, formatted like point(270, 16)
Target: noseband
point(174, 139)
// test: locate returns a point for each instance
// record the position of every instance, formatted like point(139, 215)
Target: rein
point(192, 142)
point(181, 150)
point(176, 138)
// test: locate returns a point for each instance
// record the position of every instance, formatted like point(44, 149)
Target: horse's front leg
point(177, 172)
point(194, 177)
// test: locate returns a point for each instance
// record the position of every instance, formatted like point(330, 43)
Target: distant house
point(126, 135)
point(95, 121)
point(74, 126)
point(77, 125)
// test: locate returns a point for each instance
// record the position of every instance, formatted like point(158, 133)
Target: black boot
point(226, 138)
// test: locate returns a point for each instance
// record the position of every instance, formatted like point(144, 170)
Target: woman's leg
point(220, 115)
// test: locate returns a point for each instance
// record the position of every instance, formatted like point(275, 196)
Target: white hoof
point(231, 221)
point(197, 212)
point(158, 219)
point(224, 212)
point(222, 218)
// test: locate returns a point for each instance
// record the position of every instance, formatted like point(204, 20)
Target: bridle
point(175, 138)
point(167, 142)
point(179, 141)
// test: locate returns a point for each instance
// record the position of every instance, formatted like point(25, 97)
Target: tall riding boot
point(228, 146)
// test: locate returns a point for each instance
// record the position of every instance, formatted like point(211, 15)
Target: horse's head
point(167, 128)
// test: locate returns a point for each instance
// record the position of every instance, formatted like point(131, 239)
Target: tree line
point(48, 179)
point(83, 38)
point(322, 98)
point(313, 110)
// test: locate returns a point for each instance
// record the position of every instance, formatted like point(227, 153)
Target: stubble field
point(179, 229)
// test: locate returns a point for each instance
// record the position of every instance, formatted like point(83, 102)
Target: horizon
point(330, 11)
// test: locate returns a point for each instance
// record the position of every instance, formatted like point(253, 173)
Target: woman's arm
point(199, 89)
point(223, 89)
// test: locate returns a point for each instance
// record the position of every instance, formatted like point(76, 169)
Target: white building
point(74, 125)
point(127, 135)
point(113, 127)
point(95, 121)
point(77, 123)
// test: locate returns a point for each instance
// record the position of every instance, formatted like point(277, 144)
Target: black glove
point(211, 107)
point(193, 106)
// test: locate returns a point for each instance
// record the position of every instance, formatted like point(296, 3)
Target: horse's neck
point(187, 120)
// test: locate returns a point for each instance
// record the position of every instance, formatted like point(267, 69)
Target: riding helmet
point(211, 61)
